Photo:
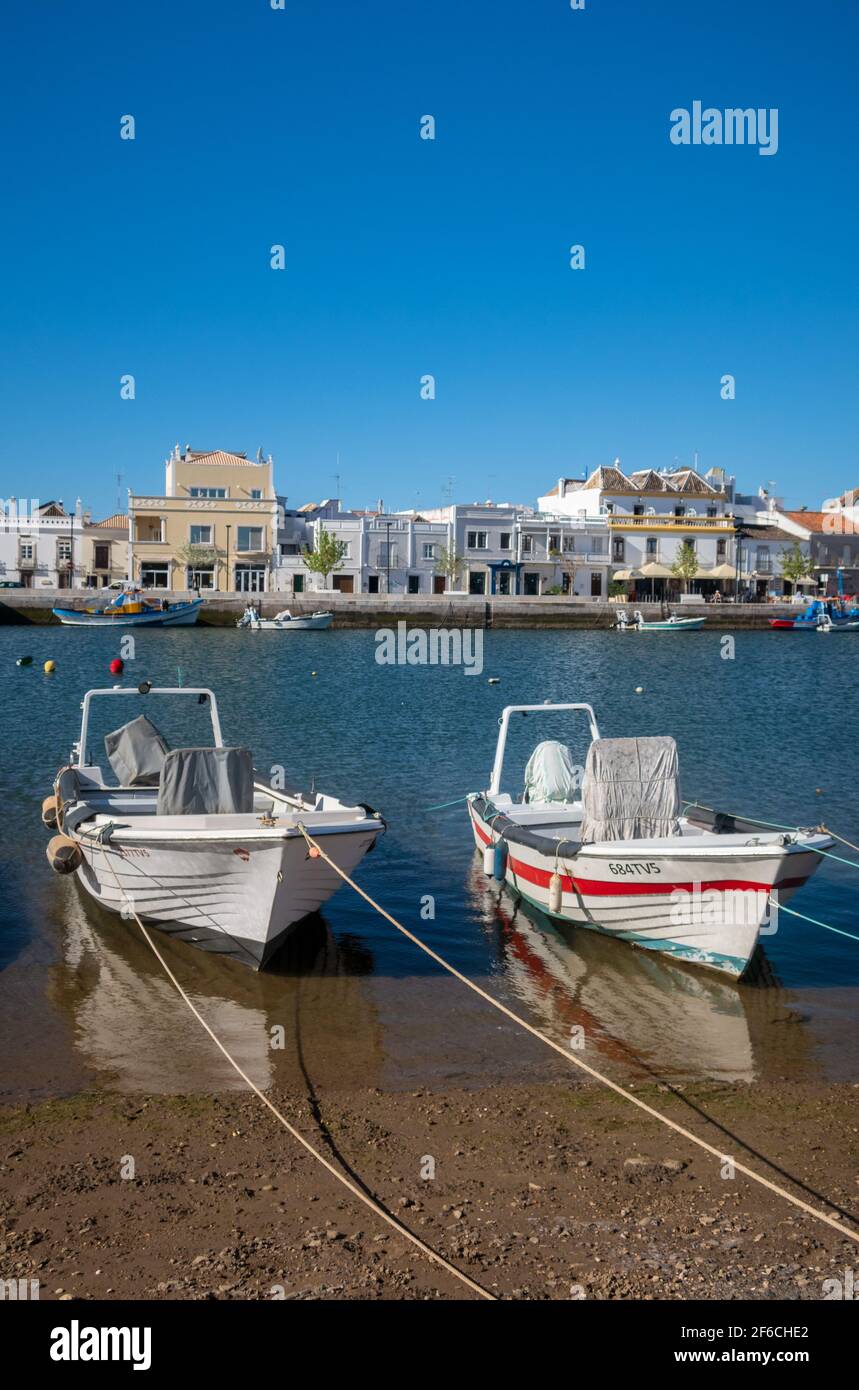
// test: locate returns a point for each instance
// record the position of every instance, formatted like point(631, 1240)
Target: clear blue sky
point(407, 257)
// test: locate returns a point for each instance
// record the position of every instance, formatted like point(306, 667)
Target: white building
point(649, 515)
point(41, 545)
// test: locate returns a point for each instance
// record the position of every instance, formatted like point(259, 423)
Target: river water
point(766, 726)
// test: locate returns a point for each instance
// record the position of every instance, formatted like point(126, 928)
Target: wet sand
point(547, 1191)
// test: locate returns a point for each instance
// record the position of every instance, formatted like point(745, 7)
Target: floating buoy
point(49, 667)
point(493, 680)
point(24, 661)
point(50, 812)
point(117, 666)
point(555, 893)
point(488, 859)
point(639, 690)
point(313, 852)
point(313, 673)
point(64, 854)
point(499, 861)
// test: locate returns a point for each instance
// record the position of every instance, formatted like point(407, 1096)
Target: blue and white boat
point(672, 624)
point(130, 609)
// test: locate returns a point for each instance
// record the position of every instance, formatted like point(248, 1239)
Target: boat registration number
point(633, 870)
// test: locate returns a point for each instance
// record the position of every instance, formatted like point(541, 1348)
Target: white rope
point(305, 1143)
point(583, 1066)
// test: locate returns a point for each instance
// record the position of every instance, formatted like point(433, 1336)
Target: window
point(27, 550)
point(638, 509)
point(617, 548)
point(388, 554)
point(64, 550)
point(652, 547)
point(598, 545)
point(102, 556)
point(712, 511)
point(256, 493)
point(289, 548)
point(372, 584)
point(527, 545)
point(569, 544)
point(690, 541)
point(428, 551)
point(504, 542)
point(154, 576)
point(763, 561)
point(201, 535)
point(214, 492)
point(679, 511)
point(248, 538)
point(201, 577)
point(721, 549)
point(554, 540)
point(476, 540)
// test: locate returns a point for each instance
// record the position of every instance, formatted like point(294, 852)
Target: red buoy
point(116, 666)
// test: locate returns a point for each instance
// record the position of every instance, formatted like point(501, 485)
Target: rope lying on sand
point(375, 1207)
point(823, 1216)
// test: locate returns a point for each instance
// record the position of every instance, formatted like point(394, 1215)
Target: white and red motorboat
point(609, 847)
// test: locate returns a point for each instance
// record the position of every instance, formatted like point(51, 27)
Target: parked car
point(11, 584)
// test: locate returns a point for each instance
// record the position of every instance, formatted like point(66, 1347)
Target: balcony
point(672, 523)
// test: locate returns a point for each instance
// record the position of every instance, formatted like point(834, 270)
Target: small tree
point(197, 556)
point(794, 565)
point(685, 565)
point(449, 563)
point(327, 555)
point(567, 560)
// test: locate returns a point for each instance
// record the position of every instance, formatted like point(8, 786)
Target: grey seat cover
point(136, 753)
point(630, 790)
point(206, 782)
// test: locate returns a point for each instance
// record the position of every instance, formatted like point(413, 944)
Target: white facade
point(41, 546)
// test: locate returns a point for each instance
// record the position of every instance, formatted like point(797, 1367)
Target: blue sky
point(406, 257)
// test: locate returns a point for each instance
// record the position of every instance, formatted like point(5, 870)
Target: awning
point(625, 574)
point(720, 572)
point(652, 570)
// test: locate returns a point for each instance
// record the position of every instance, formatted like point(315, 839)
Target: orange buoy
point(50, 812)
point(64, 854)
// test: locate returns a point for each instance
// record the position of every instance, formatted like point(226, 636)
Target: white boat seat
point(136, 752)
point(206, 782)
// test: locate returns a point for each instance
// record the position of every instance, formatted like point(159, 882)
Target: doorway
point(531, 585)
point(477, 582)
point(344, 583)
point(438, 584)
point(596, 584)
point(250, 579)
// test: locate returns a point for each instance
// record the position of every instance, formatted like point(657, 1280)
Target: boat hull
point(312, 624)
point(695, 908)
point(681, 625)
point(181, 615)
point(237, 898)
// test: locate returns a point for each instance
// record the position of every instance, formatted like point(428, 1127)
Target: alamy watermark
point(435, 646)
point(733, 126)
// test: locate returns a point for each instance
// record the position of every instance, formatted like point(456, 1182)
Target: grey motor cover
point(630, 790)
point(206, 782)
point(136, 753)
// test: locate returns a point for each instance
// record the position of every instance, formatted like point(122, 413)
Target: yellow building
point(105, 551)
point(215, 527)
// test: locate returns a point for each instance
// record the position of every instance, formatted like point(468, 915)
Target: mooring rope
point(780, 907)
point(296, 1134)
point(577, 1061)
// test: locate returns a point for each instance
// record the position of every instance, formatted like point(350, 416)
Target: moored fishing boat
point(130, 608)
point(186, 838)
point(671, 624)
point(827, 614)
point(609, 848)
point(284, 622)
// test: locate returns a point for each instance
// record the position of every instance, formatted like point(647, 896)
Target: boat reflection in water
point(636, 1009)
point(134, 1032)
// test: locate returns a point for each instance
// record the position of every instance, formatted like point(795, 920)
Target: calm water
point(770, 733)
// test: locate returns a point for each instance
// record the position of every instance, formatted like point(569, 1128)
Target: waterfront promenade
point(23, 606)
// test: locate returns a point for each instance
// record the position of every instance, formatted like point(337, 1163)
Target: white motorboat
point(284, 622)
point(608, 847)
point(188, 839)
point(671, 624)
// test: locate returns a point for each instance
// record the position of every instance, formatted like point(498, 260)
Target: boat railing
point(504, 723)
point(200, 692)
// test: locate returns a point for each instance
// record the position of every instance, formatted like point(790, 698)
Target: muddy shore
point(552, 1191)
